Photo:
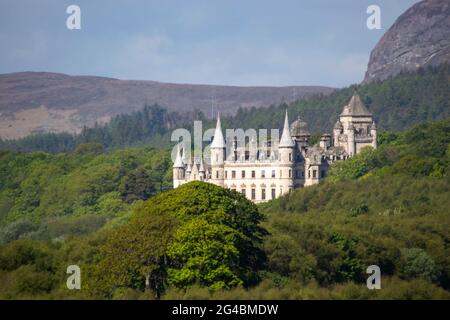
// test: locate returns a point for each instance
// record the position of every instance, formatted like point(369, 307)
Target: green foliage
point(40, 188)
point(392, 288)
point(388, 207)
point(25, 252)
point(206, 254)
point(142, 247)
point(198, 233)
point(26, 280)
point(137, 186)
point(82, 148)
point(16, 230)
point(356, 167)
point(397, 103)
point(419, 151)
point(361, 209)
point(416, 263)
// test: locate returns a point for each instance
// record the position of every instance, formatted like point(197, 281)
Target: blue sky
point(230, 42)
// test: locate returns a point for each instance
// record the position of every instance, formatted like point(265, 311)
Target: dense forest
point(396, 104)
point(49, 196)
point(388, 207)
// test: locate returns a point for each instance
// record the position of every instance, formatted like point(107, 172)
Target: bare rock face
point(419, 37)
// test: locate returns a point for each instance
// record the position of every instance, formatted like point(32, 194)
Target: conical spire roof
point(218, 141)
point(286, 139)
point(202, 167)
point(338, 125)
point(178, 161)
point(355, 107)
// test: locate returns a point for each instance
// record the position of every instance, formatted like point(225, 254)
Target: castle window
point(263, 174)
point(243, 174)
point(273, 173)
point(263, 194)
point(290, 173)
point(243, 192)
point(233, 174)
point(217, 157)
point(253, 194)
point(309, 173)
point(226, 174)
point(247, 155)
point(217, 175)
point(314, 173)
point(253, 174)
point(273, 193)
point(290, 156)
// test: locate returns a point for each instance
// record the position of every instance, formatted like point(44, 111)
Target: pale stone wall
point(258, 181)
point(295, 165)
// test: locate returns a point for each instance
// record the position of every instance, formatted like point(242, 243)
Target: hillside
point(396, 103)
point(36, 102)
point(418, 38)
point(388, 207)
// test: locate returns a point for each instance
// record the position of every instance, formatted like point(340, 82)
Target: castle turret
point(201, 171)
point(351, 139)
point(325, 141)
point(286, 145)
point(188, 170)
point(337, 130)
point(300, 133)
point(178, 169)
point(218, 155)
point(356, 120)
point(373, 133)
point(286, 157)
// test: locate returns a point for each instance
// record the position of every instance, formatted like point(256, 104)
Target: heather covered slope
point(40, 102)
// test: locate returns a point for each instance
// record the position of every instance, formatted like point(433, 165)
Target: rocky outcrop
point(419, 37)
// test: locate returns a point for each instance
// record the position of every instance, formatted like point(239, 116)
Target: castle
point(275, 169)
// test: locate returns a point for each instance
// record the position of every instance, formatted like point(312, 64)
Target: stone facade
point(278, 167)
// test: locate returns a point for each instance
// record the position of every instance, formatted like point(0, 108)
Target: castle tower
point(351, 148)
point(178, 169)
point(356, 122)
point(337, 130)
point(201, 170)
point(286, 155)
point(218, 155)
point(188, 170)
point(325, 141)
point(373, 133)
point(300, 133)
